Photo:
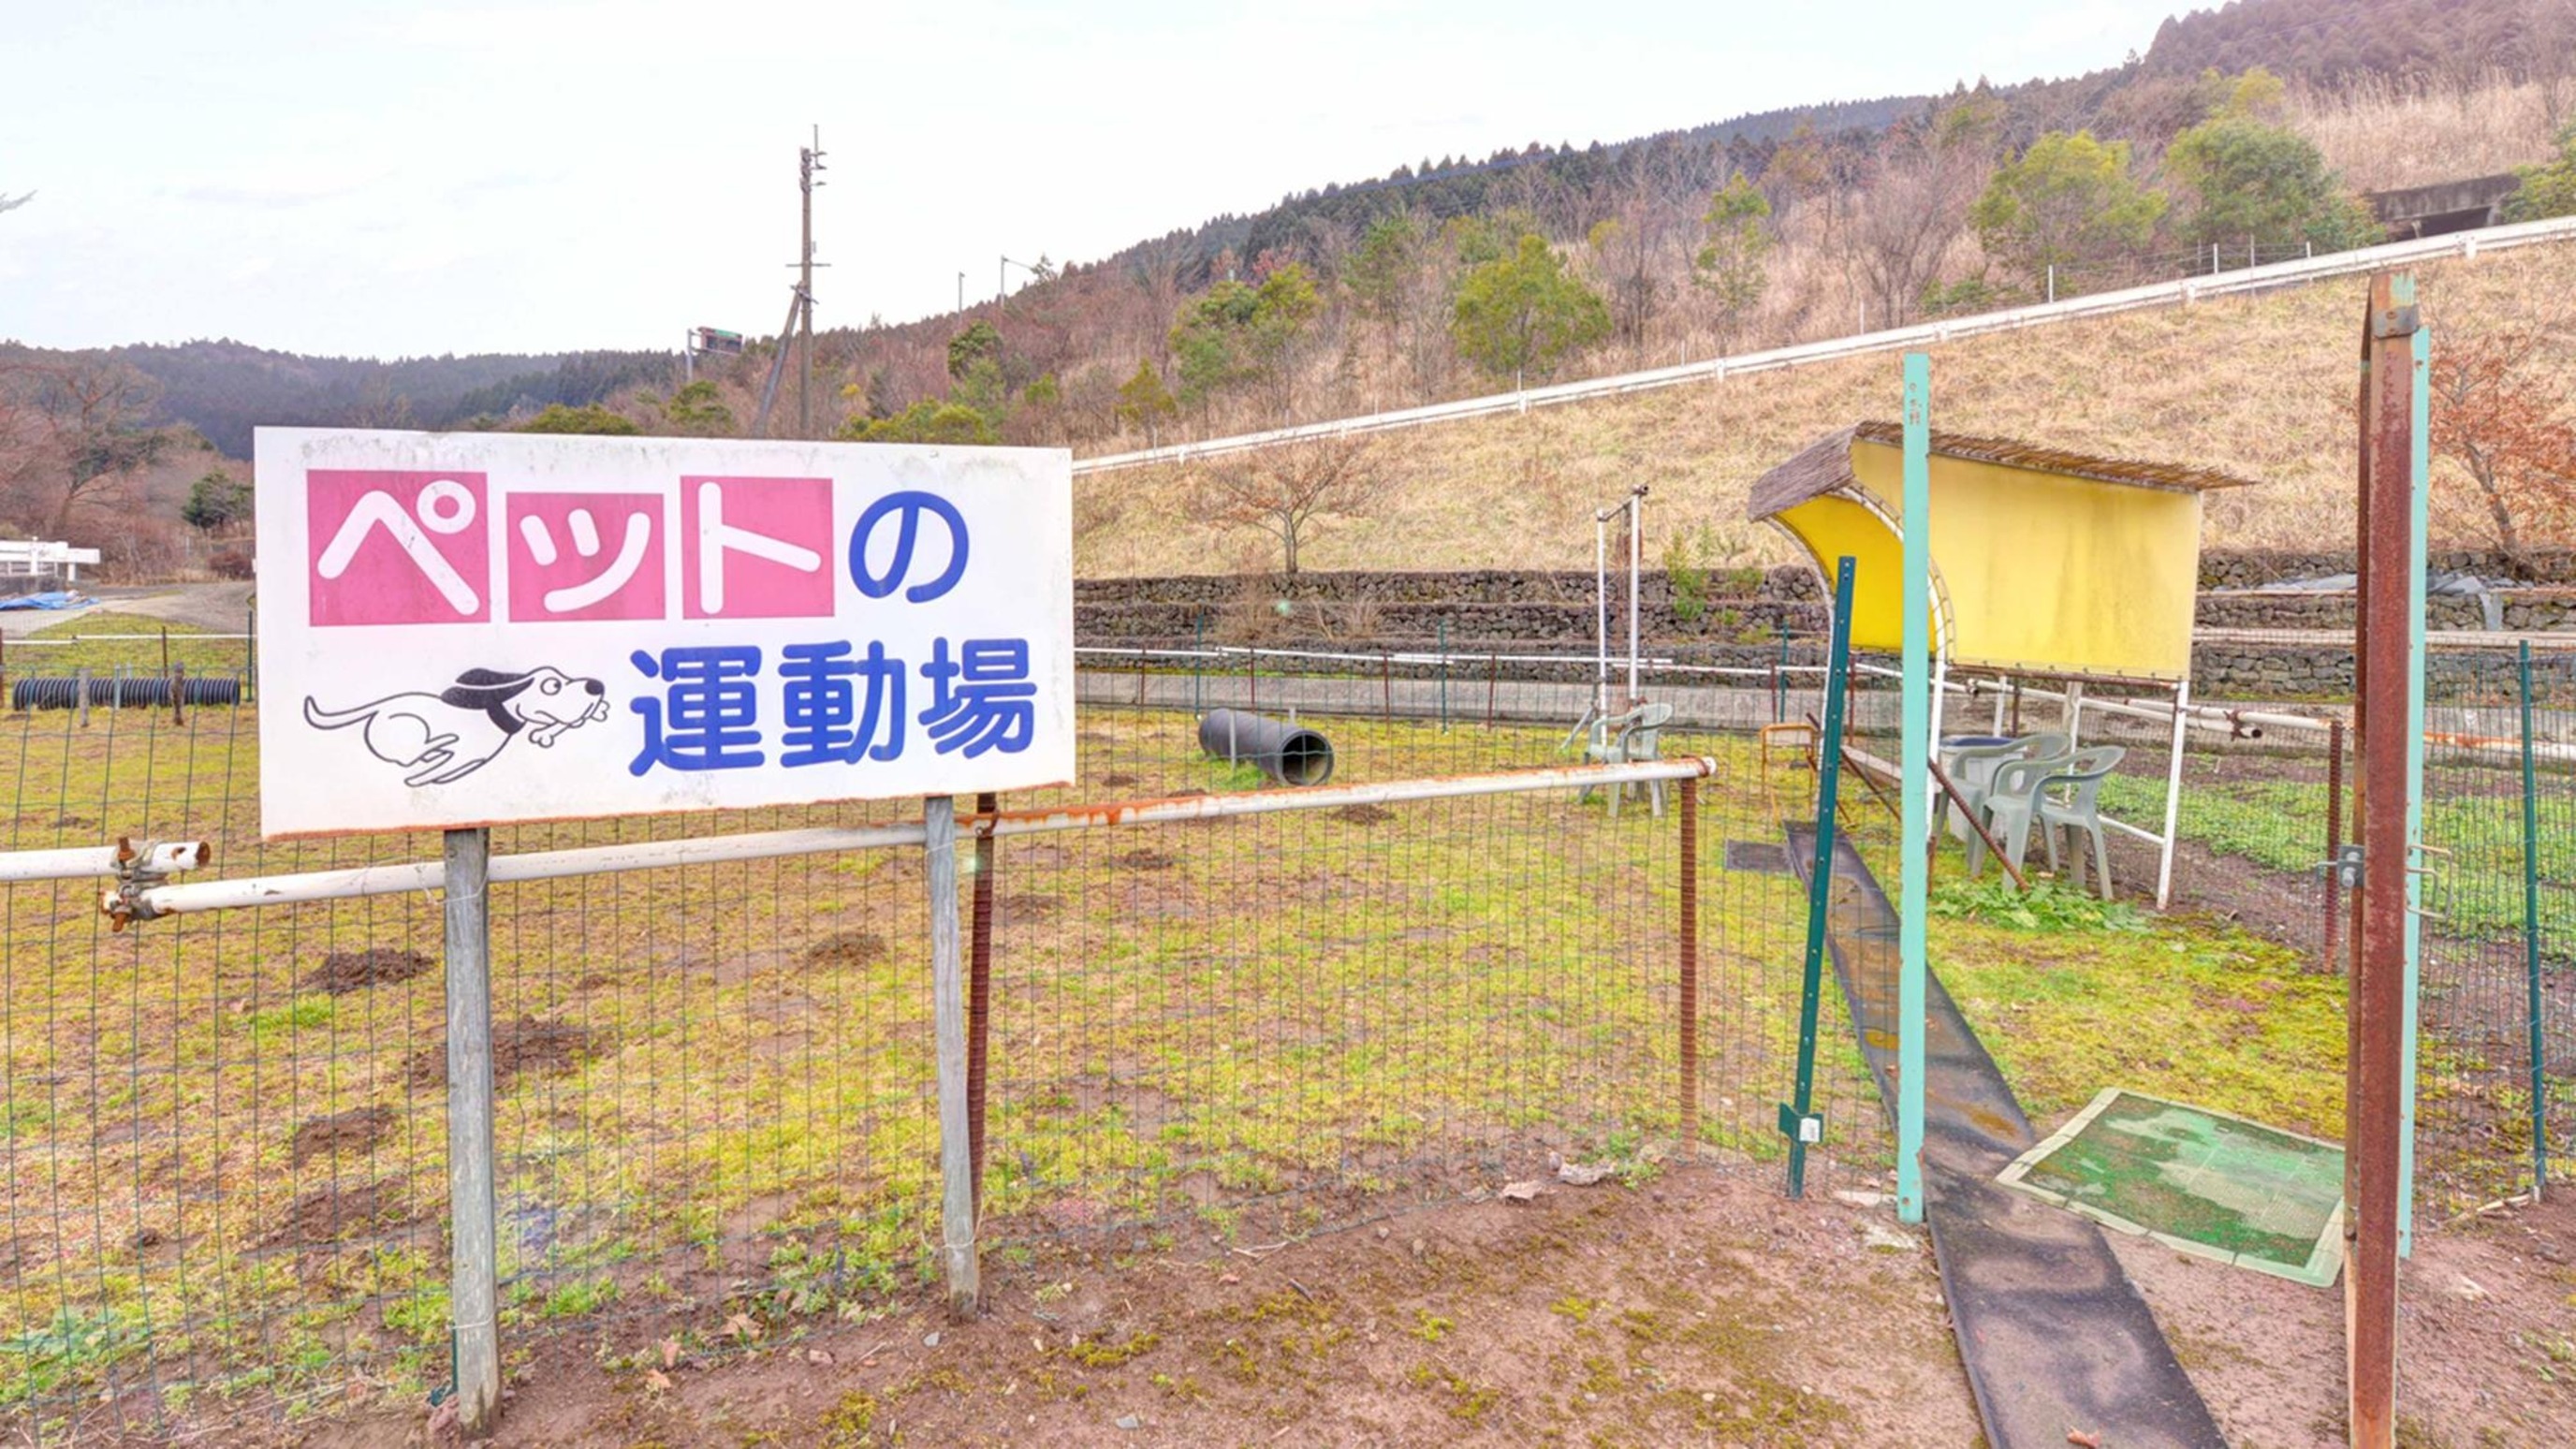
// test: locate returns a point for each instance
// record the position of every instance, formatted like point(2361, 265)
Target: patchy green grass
point(104, 642)
point(2179, 1007)
point(727, 1070)
point(2472, 809)
point(715, 1082)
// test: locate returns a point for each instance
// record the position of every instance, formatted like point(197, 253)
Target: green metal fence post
point(2419, 472)
point(1444, 676)
point(1798, 1121)
point(1780, 680)
point(2531, 934)
point(1915, 764)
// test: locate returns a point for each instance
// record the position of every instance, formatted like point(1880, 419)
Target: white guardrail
point(2098, 304)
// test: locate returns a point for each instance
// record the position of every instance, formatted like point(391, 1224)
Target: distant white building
point(35, 558)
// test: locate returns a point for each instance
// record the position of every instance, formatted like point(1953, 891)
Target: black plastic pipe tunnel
point(1288, 753)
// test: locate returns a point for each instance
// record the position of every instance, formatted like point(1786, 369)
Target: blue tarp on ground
point(57, 600)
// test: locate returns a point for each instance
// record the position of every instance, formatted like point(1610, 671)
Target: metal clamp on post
point(1806, 1127)
point(2429, 873)
point(2345, 867)
point(138, 869)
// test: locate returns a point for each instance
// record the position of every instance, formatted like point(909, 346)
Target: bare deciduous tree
point(1915, 200)
point(2498, 419)
point(81, 431)
point(1284, 491)
point(2549, 59)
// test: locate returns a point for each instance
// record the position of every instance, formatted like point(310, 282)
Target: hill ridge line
point(2180, 292)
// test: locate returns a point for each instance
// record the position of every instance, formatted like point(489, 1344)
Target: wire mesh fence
point(2499, 960)
point(225, 1147)
point(2260, 818)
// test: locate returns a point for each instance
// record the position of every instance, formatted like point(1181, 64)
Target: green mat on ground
point(2201, 1182)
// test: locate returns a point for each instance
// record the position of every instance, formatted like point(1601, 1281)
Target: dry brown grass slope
point(2258, 386)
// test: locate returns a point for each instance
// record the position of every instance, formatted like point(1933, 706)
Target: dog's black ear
point(485, 689)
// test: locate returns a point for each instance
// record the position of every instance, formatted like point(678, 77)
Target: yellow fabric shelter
point(2043, 562)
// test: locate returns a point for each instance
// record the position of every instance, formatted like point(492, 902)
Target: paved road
point(222, 608)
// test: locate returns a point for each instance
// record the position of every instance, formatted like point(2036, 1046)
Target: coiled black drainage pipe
point(1288, 753)
point(135, 691)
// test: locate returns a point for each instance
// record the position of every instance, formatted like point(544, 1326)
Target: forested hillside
point(2239, 135)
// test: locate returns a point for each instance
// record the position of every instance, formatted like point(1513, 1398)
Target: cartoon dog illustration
point(444, 737)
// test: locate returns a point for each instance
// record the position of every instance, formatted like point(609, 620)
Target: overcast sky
point(532, 175)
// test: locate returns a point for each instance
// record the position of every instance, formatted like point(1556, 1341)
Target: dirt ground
point(2486, 1337)
point(1700, 1308)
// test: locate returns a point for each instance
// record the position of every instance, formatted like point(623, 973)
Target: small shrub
point(1686, 575)
point(2046, 906)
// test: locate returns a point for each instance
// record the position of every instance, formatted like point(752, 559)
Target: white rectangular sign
point(472, 628)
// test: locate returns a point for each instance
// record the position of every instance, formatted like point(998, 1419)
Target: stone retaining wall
point(1506, 612)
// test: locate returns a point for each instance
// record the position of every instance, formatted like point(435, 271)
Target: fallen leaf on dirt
point(2083, 1440)
point(1521, 1191)
point(1229, 1278)
point(1582, 1174)
point(656, 1380)
point(816, 1355)
point(670, 1351)
point(741, 1326)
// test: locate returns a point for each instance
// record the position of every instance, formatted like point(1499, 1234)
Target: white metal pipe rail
point(428, 875)
point(94, 862)
point(1661, 664)
point(2155, 294)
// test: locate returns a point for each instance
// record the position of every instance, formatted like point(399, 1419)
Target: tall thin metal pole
point(1916, 766)
point(1601, 613)
point(948, 1014)
point(2173, 794)
point(2419, 490)
point(810, 161)
point(473, 1282)
point(1636, 532)
point(2531, 936)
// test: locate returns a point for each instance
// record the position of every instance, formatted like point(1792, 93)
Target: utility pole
point(809, 161)
point(961, 294)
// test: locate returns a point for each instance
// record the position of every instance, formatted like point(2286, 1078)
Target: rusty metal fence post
point(1690, 964)
point(2383, 665)
point(979, 987)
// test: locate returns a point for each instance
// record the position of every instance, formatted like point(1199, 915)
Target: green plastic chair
point(1626, 738)
point(1971, 769)
point(2052, 794)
